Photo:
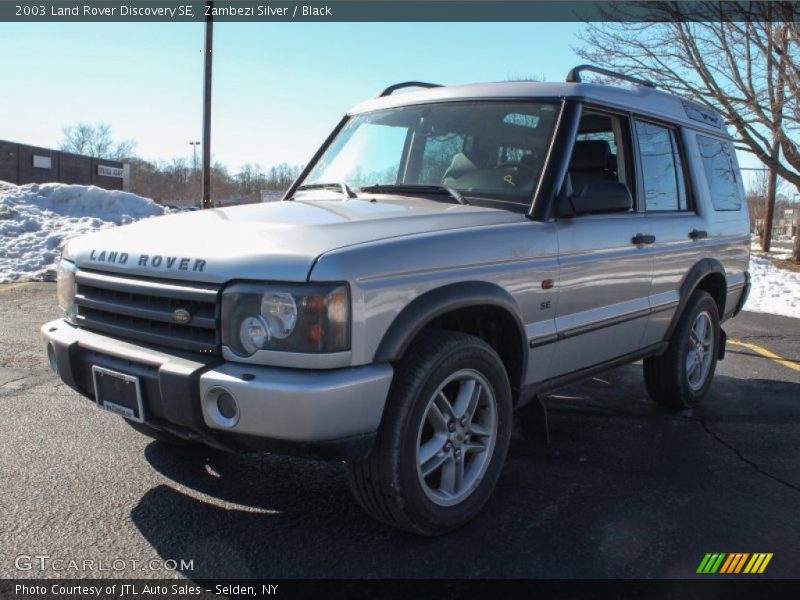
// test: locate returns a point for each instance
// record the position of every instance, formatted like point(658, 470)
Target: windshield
point(491, 150)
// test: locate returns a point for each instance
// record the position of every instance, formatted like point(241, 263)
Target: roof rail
point(574, 75)
point(399, 86)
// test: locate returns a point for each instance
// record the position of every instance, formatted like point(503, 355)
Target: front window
point(488, 150)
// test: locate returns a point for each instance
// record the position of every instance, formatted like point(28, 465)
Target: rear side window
point(719, 164)
point(662, 170)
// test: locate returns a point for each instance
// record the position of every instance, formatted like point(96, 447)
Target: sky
point(278, 88)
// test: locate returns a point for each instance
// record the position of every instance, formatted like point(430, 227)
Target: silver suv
point(448, 255)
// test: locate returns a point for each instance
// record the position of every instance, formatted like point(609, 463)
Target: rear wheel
point(681, 377)
point(443, 439)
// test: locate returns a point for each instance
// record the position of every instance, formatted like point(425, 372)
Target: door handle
point(641, 238)
point(698, 234)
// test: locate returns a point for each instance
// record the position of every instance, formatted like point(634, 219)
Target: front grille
point(143, 310)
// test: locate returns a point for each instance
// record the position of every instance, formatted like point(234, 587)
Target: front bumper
point(322, 413)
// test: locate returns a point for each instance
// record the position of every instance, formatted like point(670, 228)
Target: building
point(786, 221)
point(21, 164)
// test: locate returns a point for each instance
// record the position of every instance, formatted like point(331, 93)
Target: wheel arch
point(707, 275)
point(475, 307)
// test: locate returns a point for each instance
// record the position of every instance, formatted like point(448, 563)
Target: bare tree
point(748, 70)
point(95, 140)
point(757, 199)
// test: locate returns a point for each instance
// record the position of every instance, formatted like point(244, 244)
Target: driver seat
point(590, 162)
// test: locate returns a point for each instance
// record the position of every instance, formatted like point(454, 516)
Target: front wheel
point(443, 439)
point(681, 377)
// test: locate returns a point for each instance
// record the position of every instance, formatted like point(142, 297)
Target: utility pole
point(194, 146)
point(207, 109)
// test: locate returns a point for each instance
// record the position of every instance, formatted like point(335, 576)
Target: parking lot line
point(790, 364)
point(13, 286)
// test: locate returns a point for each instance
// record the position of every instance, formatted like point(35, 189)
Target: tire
point(158, 435)
point(670, 378)
point(389, 484)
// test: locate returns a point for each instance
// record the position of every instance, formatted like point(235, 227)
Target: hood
point(276, 241)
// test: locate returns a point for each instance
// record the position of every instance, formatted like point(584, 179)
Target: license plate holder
point(119, 393)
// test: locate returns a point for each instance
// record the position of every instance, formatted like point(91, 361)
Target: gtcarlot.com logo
point(721, 563)
point(45, 562)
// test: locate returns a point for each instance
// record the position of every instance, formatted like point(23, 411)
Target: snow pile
point(37, 219)
point(775, 291)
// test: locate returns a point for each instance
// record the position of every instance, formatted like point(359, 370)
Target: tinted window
point(720, 167)
point(663, 183)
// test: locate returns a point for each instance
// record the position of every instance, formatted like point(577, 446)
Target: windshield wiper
point(347, 193)
point(412, 188)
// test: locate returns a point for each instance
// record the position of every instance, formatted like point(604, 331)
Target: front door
point(605, 268)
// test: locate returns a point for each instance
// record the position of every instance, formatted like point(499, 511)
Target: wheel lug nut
point(451, 426)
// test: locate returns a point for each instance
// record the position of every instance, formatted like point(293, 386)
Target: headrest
point(459, 165)
point(590, 154)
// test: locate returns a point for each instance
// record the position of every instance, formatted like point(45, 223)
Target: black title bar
point(395, 11)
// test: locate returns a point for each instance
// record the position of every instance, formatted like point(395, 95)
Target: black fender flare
point(697, 273)
point(439, 301)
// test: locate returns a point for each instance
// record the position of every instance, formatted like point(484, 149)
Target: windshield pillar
point(307, 169)
point(556, 162)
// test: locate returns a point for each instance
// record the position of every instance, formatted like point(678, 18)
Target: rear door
point(670, 217)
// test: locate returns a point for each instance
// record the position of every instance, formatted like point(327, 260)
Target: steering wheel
point(515, 164)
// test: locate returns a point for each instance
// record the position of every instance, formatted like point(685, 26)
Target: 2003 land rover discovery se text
point(447, 255)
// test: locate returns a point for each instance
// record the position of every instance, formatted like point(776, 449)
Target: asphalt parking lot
point(624, 489)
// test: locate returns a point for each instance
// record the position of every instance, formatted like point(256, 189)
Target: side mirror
point(602, 197)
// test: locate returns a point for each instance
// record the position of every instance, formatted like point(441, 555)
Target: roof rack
point(574, 75)
point(399, 86)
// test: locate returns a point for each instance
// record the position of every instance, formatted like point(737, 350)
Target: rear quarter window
point(722, 173)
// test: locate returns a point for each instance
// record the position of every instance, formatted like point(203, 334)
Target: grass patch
point(787, 264)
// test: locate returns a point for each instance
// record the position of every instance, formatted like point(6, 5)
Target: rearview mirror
point(602, 197)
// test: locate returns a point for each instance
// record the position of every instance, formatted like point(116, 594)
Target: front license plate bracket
point(119, 393)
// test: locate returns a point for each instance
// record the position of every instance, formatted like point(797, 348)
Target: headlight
point(285, 318)
point(65, 277)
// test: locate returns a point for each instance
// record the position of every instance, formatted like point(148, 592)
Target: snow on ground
point(37, 219)
point(774, 290)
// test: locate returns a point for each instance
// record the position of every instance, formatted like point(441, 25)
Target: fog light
point(221, 406)
point(226, 405)
point(51, 357)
